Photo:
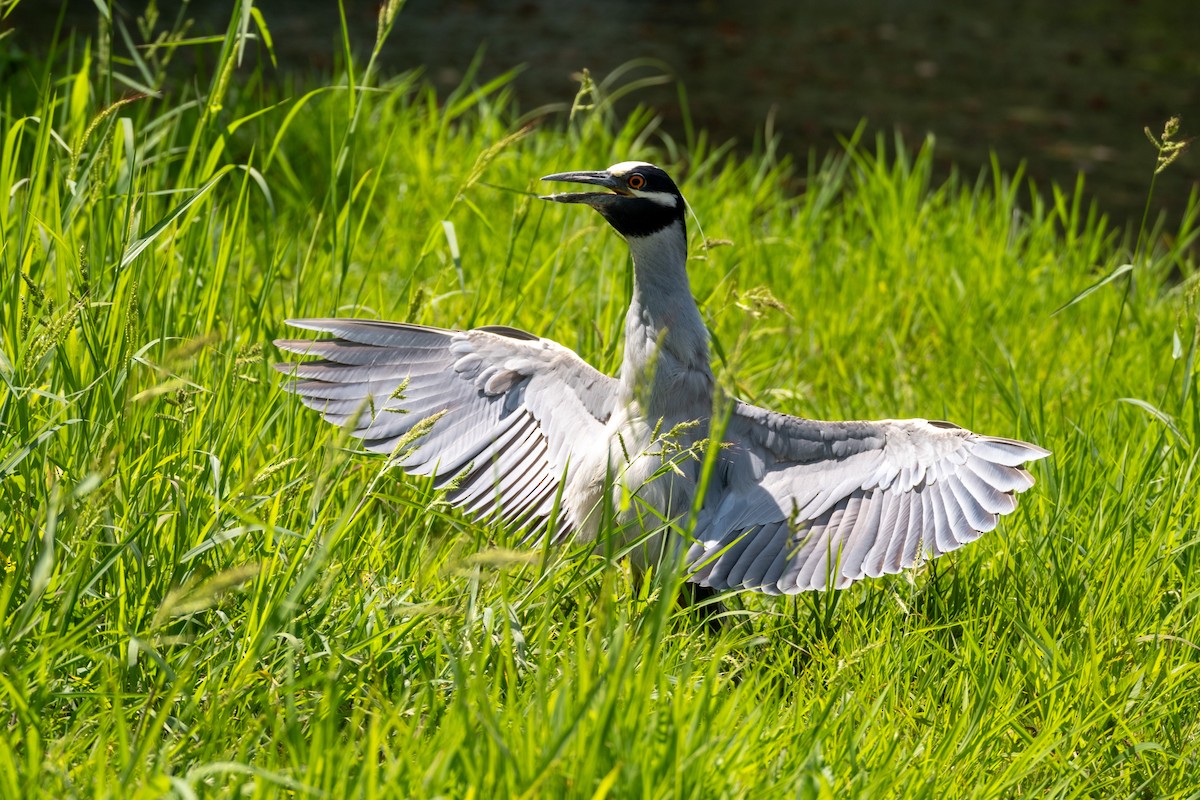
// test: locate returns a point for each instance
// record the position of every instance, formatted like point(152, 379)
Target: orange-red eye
point(636, 181)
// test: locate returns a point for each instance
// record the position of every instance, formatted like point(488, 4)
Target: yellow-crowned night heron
point(522, 428)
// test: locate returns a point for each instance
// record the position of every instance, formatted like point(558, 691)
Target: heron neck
point(666, 342)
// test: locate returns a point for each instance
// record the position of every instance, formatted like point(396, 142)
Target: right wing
point(503, 409)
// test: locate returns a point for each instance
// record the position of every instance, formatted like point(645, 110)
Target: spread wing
point(493, 413)
point(798, 505)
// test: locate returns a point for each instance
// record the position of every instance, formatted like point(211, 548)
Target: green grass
point(205, 591)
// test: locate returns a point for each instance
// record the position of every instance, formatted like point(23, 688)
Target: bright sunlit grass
point(205, 591)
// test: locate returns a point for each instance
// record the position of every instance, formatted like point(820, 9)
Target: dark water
point(1063, 88)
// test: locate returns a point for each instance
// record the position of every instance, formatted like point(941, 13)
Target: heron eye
point(636, 181)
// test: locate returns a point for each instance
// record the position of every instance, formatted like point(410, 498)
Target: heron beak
point(595, 178)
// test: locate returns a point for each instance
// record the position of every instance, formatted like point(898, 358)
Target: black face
point(643, 199)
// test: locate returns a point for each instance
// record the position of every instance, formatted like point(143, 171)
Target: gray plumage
point(521, 429)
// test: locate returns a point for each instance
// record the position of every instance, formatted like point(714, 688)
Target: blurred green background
point(1063, 87)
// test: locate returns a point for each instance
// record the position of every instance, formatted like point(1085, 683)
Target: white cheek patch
point(665, 199)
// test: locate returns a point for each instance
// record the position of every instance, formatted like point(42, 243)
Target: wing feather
point(758, 541)
point(917, 546)
point(893, 556)
point(801, 504)
point(772, 582)
point(862, 538)
point(502, 408)
point(979, 519)
point(774, 538)
point(943, 531)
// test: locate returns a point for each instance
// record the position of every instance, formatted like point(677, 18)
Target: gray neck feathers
point(666, 343)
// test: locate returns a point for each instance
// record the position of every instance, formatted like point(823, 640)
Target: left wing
point(798, 505)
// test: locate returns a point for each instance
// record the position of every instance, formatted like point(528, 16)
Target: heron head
point(640, 199)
